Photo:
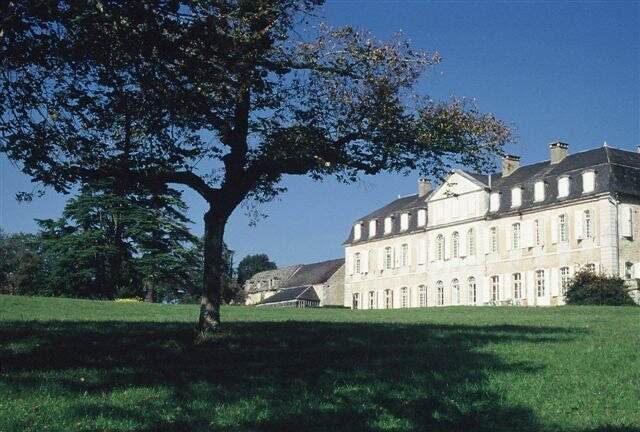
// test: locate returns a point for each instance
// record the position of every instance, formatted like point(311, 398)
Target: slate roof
point(313, 274)
point(617, 172)
point(282, 274)
point(292, 294)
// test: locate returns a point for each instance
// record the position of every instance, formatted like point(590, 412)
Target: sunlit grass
point(74, 365)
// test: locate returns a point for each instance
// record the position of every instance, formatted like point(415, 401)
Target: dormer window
point(516, 197)
point(373, 226)
point(563, 187)
point(422, 217)
point(538, 191)
point(387, 225)
point(357, 231)
point(404, 221)
point(494, 202)
point(588, 181)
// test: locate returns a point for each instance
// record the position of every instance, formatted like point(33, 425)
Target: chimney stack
point(424, 187)
point(510, 163)
point(559, 151)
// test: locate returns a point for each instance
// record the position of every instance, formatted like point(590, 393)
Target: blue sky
point(565, 71)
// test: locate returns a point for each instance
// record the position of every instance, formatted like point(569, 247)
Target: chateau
point(515, 237)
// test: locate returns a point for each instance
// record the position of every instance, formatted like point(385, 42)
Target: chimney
point(559, 151)
point(424, 187)
point(510, 163)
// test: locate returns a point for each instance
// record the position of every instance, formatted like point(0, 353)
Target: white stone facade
point(456, 259)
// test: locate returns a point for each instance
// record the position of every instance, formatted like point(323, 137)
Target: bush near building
point(590, 288)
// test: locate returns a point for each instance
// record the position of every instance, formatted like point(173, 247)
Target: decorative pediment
point(458, 183)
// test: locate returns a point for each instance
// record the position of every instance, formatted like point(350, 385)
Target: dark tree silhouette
point(222, 96)
point(252, 264)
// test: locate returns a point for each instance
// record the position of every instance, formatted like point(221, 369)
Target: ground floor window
point(455, 291)
point(540, 286)
point(495, 288)
point(517, 286)
point(564, 279)
point(356, 300)
point(440, 293)
point(388, 299)
point(404, 297)
point(422, 295)
point(372, 300)
point(473, 290)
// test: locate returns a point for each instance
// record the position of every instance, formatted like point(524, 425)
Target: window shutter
point(422, 251)
point(380, 259)
point(486, 242)
point(555, 281)
point(636, 270)
point(409, 252)
point(365, 262)
point(507, 292)
point(447, 249)
point(625, 219)
point(432, 250)
point(547, 283)
point(554, 230)
point(577, 224)
point(394, 257)
point(462, 243)
point(348, 262)
point(528, 234)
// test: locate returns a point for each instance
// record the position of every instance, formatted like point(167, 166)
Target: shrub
point(590, 288)
point(128, 300)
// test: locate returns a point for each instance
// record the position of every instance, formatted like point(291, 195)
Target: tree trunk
point(214, 225)
point(150, 291)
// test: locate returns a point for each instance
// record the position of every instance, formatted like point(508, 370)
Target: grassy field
point(74, 365)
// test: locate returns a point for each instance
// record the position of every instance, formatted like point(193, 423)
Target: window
point(516, 197)
point(455, 291)
point(563, 228)
point(357, 231)
point(388, 299)
point(404, 297)
point(564, 279)
point(388, 258)
point(373, 227)
point(537, 232)
point(473, 290)
point(356, 263)
point(540, 287)
point(439, 293)
point(455, 245)
point(587, 224)
point(516, 282)
point(422, 295)
point(387, 225)
point(563, 187)
point(494, 202)
point(422, 217)
point(404, 255)
point(626, 221)
point(493, 239)
point(590, 268)
point(356, 300)
point(628, 270)
point(440, 247)
point(588, 181)
point(372, 300)
point(538, 191)
point(495, 288)
point(404, 221)
point(471, 242)
point(515, 236)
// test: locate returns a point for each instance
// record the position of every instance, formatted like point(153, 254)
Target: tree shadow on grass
point(270, 376)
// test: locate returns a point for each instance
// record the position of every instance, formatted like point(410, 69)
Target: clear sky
point(566, 71)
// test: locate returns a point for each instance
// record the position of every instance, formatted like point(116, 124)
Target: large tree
point(222, 96)
point(252, 264)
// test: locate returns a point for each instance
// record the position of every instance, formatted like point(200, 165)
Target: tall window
point(564, 279)
point(540, 286)
point(404, 297)
point(357, 231)
point(388, 258)
point(516, 197)
point(404, 255)
point(473, 290)
point(538, 191)
point(439, 293)
point(455, 291)
point(515, 236)
point(493, 239)
point(516, 282)
point(404, 221)
point(537, 231)
point(455, 245)
point(563, 228)
point(588, 181)
point(471, 242)
point(422, 217)
point(422, 295)
point(587, 224)
point(563, 187)
point(387, 225)
point(628, 270)
point(388, 299)
point(373, 227)
point(440, 247)
point(372, 300)
point(356, 263)
point(495, 288)
point(356, 300)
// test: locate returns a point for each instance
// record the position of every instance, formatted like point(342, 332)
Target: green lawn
point(74, 365)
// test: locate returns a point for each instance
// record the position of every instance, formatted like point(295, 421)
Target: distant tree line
point(112, 243)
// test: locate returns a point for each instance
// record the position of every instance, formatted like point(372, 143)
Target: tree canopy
point(222, 96)
point(252, 264)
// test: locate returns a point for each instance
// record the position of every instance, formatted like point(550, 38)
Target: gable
point(456, 184)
